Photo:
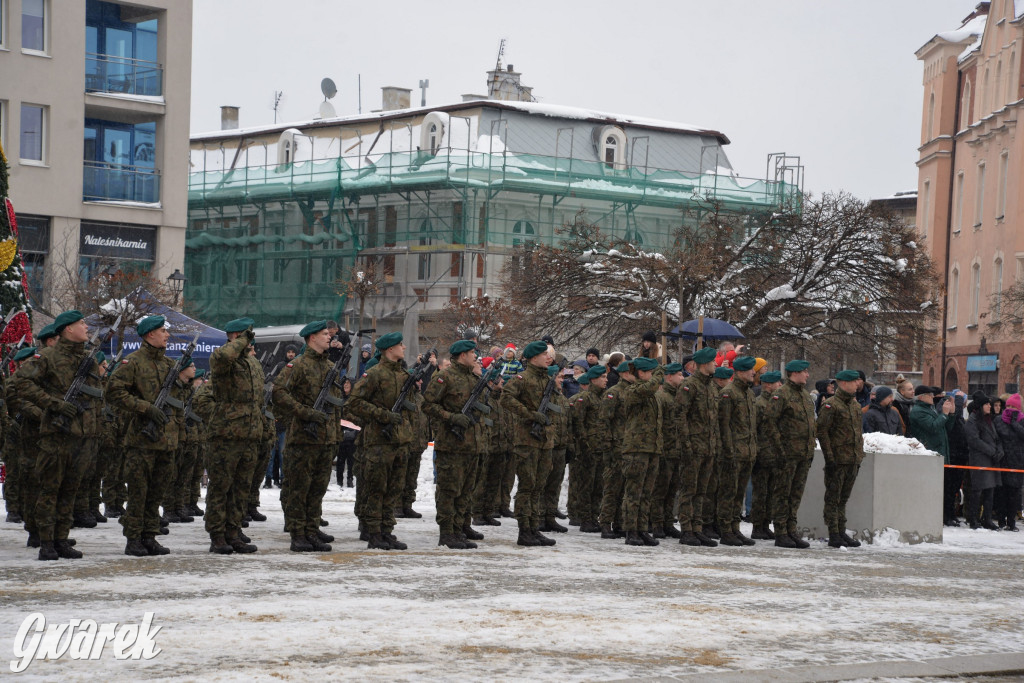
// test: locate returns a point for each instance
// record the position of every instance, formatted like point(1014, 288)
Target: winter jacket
point(984, 449)
point(510, 368)
point(1011, 434)
point(863, 396)
point(904, 405)
point(570, 387)
point(931, 428)
point(885, 420)
point(839, 430)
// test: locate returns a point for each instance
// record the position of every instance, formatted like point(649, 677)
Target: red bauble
point(18, 326)
point(11, 217)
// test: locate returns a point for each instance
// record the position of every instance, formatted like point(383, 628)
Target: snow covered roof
point(533, 108)
point(970, 30)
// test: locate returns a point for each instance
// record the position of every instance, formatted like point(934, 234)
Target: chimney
point(228, 118)
point(395, 97)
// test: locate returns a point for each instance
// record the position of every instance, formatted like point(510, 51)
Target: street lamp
point(176, 281)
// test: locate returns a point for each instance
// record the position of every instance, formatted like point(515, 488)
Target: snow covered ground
point(586, 609)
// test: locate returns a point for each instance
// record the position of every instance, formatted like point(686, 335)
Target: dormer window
point(612, 147)
point(432, 132)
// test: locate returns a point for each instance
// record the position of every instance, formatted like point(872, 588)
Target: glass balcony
point(119, 182)
point(107, 73)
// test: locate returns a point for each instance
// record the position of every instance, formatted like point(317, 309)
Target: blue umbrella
point(713, 329)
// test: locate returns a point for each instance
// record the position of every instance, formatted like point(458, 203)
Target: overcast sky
point(835, 83)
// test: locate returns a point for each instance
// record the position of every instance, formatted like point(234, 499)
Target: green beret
point(46, 333)
point(240, 325)
point(386, 341)
point(645, 364)
point(771, 377)
point(847, 375)
point(24, 353)
point(369, 364)
point(186, 365)
point(596, 371)
point(313, 328)
point(100, 356)
point(552, 370)
point(744, 363)
point(723, 373)
point(148, 324)
point(797, 366)
point(462, 346)
point(534, 348)
point(705, 355)
point(65, 319)
point(200, 373)
point(673, 368)
point(584, 379)
point(623, 368)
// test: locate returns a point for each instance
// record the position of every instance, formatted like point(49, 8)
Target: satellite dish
point(328, 88)
point(327, 110)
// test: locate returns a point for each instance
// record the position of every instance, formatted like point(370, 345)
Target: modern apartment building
point(94, 118)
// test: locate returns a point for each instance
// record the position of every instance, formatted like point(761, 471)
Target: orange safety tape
point(990, 469)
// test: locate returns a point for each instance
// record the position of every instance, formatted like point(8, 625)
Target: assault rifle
point(78, 386)
point(546, 405)
point(5, 364)
point(191, 419)
point(164, 401)
point(108, 413)
point(325, 398)
point(473, 403)
point(418, 372)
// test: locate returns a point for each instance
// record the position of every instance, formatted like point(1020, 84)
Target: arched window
point(432, 132)
point(997, 103)
point(930, 128)
point(954, 297)
point(522, 228)
point(612, 147)
point(997, 291)
point(965, 106)
point(433, 138)
point(986, 97)
point(975, 292)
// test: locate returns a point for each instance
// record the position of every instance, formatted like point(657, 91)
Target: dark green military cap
point(723, 373)
point(461, 346)
point(200, 373)
point(623, 367)
point(46, 333)
point(645, 364)
point(65, 319)
point(534, 348)
point(742, 363)
point(797, 366)
point(705, 355)
point(100, 356)
point(186, 365)
point(596, 371)
point(584, 379)
point(313, 328)
point(847, 375)
point(673, 368)
point(150, 323)
point(386, 341)
point(771, 377)
point(369, 364)
point(26, 352)
point(240, 325)
point(552, 370)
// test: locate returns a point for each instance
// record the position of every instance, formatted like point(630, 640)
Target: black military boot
point(526, 537)
point(185, 517)
point(364, 535)
point(671, 531)
point(489, 520)
point(470, 545)
point(14, 518)
point(65, 550)
point(324, 538)
point(800, 543)
point(573, 521)
point(97, 515)
point(849, 540)
point(240, 546)
point(154, 548)
point(784, 541)
point(835, 541)
point(633, 538)
point(324, 522)
point(589, 527)
point(451, 541)
point(164, 530)
point(33, 540)
point(544, 540)
point(688, 538)
point(554, 526)
point(47, 551)
point(729, 538)
point(256, 515)
point(245, 539)
point(196, 510)
point(606, 531)
point(71, 542)
point(113, 511)
point(648, 539)
point(561, 515)
point(171, 517)
point(471, 533)
point(409, 513)
point(505, 512)
point(300, 544)
point(746, 540)
point(760, 533)
point(479, 521)
point(710, 531)
point(705, 540)
point(377, 542)
point(318, 545)
point(134, 547)
point(394, 542)
point(83, 520)
point(658, 532)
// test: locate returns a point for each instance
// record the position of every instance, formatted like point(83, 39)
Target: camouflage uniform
point(521, 399)
point(188, 455)
point(737, 419)
point(307, 464)
point(11, 455)
point(613, 482)
point(235, 435)
point(132, 389)
point(791, 429)
point(763, 473)
point(27, 441)
point(456, 461)
point(699, 434)
point(839, 426)
point(487, 496)
point(666, 488)
point(641, 448)
point(170, 495)
point(204, 394)
point(114, 492)
point(63, 458)
point(595, 442)
point(266, 449)
point(565, 427)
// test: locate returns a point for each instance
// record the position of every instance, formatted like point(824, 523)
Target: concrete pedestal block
point(893, 490)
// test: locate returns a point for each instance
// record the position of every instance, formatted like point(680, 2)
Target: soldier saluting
point(839, 428)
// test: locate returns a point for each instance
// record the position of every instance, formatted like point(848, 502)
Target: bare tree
point(363, 282)
point(494, 319)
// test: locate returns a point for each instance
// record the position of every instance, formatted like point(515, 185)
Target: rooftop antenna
point(329, 90)
point(493, 86)
point(424, 84)
point(276, 104)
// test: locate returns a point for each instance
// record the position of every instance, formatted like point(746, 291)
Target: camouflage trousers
point(115, 493)
point(709, 501)
point(379, 485)
point(61, 463)
point(396, 486)
point(666, 490)
point(839, 480)
point(639, 472)
point(613, 488)
point(259, 473)
point(763, 476)
point(553, 484)
point(307, 474)
point(146, 471)
point(486, 495)
point(456, 476)
point(694, 477)
point(412, 475)
point(167, 495)
point(790, 479)
point(188, 454)
point(27, 456)
point(733, 475)
point(586, 486)
point(89, 493)
point(508, 480)
point(229, 467)
point(12, 488)
point(532, 468)
point(195, 490)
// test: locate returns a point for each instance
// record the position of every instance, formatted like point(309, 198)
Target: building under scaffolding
point(437, 198)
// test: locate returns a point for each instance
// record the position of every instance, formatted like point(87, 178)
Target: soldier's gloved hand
point(316, 416)
point(394, 418)
point(67, 409)
point(460, 420)
point(156, 415)
point(250, 335)
point(540, 417)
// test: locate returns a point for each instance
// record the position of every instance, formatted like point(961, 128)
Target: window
point(998, 101)
point(521, 228)
point(997, 292)
point(975, 293)
point(456, 266)
point(480, 260)
point(979, 200)
point(33, 25)
point(33, 132)
point(1004, 162)
point(34, 244)
point(965, 106)
point(612, 147)
point(926, 206)
point(930, 130)
point(959, 202)
point(432, 132)
point(986, 96)
point(954, 297)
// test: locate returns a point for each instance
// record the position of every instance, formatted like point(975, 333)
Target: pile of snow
point(876, 442)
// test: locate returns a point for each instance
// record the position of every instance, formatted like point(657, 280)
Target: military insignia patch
point(775, 398)
point(686, 388)
point(289, 365)
point(123, 362)
point(610, 396)
point(828, 406)
point(440, 380)
point(725, 395)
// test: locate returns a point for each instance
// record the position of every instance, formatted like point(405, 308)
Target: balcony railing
point(107, 73)
point(118, 182)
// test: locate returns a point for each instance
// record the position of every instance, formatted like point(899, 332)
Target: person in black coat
point(984, 449)
point(1010, 427)
point(881, 416)
point(825, 388)
point(960, 479)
